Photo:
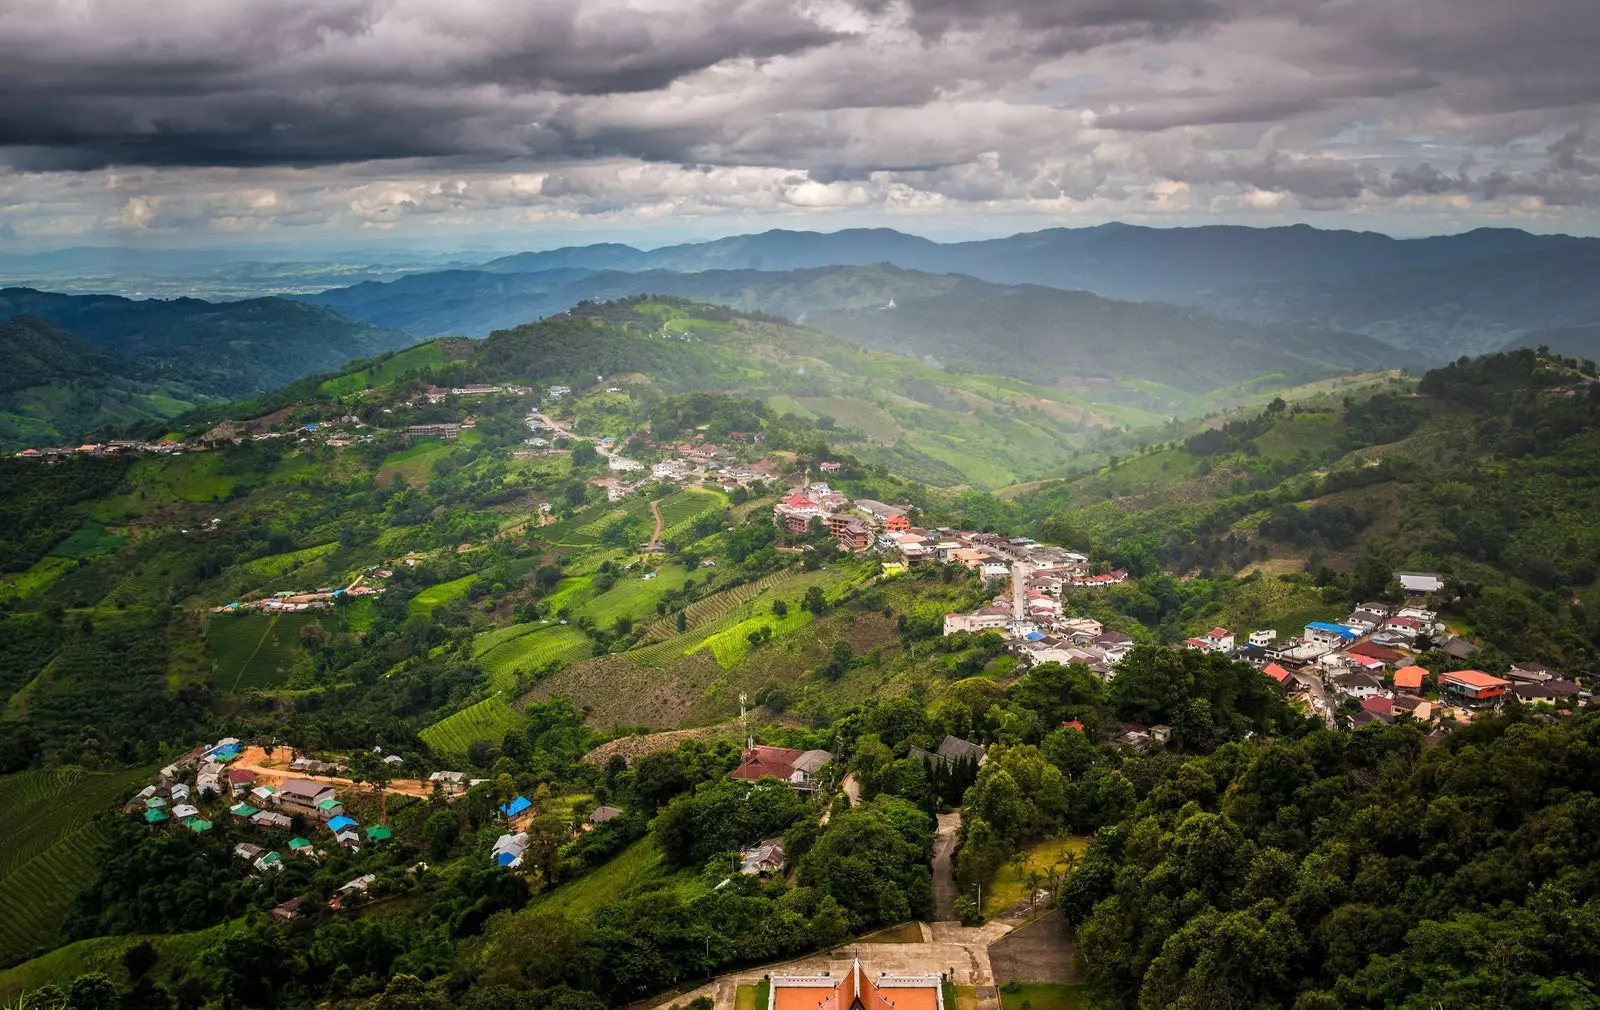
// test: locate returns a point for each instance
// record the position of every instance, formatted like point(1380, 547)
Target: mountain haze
point(226, 349)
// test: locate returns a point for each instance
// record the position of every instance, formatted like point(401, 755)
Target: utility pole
point(744, 728)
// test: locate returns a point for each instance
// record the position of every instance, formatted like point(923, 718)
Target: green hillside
point(58, 386)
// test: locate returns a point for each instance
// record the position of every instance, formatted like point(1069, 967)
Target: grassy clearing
point(488, 720)
point(441, 593)
point(254, 651)
point(415, 462)
point(37, 578)
point(638, 865)
point(633, 596)
point(274, 565)
point(386, 371)
point(175, 951)
point(906, 932)
point(1011, 886)
point(532, 652)
point(1045, 996)
point(52, 823)
point(360, 616)
point(89, 541)
point(752, 997)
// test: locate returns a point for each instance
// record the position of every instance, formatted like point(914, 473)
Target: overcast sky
point(460, 122)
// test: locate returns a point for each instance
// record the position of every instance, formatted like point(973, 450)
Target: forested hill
point(1048, 334)
point(225, 349)
point(56, 385)
point(1042, 334)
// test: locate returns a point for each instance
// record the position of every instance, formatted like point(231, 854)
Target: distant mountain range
point(225, 349)
point(1437, 297)
point(1115, 260)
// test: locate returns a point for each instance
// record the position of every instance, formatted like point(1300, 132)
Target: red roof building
point(760, 762)
point(856, 990)
point(1381, 653)
point(240, 776)
point(1276, 672)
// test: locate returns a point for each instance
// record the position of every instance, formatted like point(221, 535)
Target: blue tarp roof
point(516, 806)
point(505, 859)
point(340, 823)
point(1337, 629)
point(1033, 636)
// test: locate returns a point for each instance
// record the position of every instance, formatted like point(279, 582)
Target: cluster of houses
point(291, 601)
point(436, 394)
point(113, 447)
point(511, 847)
point(1370, 658)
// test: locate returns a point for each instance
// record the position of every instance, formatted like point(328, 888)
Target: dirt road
point(276, 770)
point(655, 510)
point(944, 878)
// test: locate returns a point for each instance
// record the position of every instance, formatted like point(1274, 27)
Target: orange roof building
point(1276, 672)
point(1410, 678)
point(1473, 684)
point(857, 990)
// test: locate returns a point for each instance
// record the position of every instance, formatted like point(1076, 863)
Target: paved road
point(944, 879)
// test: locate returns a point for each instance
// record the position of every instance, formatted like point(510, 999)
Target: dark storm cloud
point(254, 83)
point(1061, 26)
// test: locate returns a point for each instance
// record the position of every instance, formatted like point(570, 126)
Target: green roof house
point(244, 811)
point(155, 815)
point(299, 845)
point(378, 833)
point(197, 825)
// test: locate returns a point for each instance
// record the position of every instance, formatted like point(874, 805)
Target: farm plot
point(587, 527)
point(47, 839)
point(679, 510)
point(415, 463)
point(703, 611)
point(532, 652)
point(254, 651)
point(488, 720)
point(733, 643)
point(441, 593)
point(633, 597)
point(89, 541)
point(274, 565)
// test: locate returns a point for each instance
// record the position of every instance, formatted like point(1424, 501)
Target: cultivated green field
point(52, 822)
point(488, 720)
point(732, 644)
point(90, 541)
point(679, 510)
point(254, 651)
point(441, 593)
point(415, 462)
point(36, 579)
point(633, 596)
point(274, 565)
point(386, 371)
point(531, 651)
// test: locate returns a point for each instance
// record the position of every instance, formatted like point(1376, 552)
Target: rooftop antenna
point(749, 741)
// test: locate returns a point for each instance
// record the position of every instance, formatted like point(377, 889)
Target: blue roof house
point(516, 806)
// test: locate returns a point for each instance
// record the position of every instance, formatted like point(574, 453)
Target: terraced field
point(530, 651)
point(733, 643)
point(142, 585)
point(274, 565)
point(488, 720)
point(679, 510)
point(716, 605)
point(254, 651)
point(53, 820)
point(586, 527)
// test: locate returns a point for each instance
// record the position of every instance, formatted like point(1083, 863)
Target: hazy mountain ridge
point(227, 349)
point(1038, 333)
